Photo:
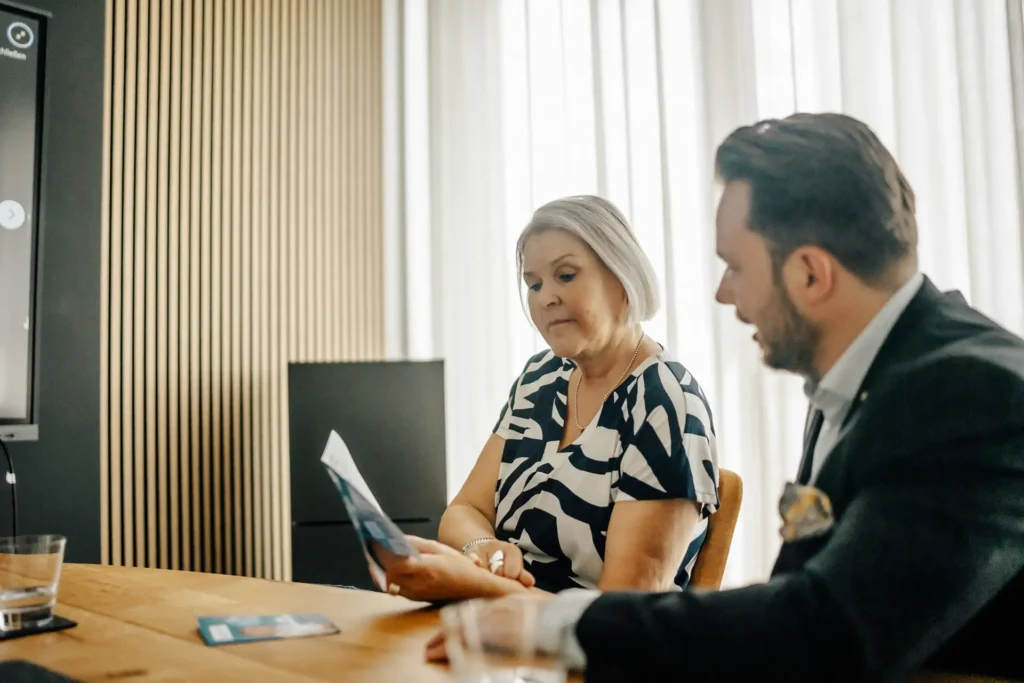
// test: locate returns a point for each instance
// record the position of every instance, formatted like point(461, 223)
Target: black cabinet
point(391, 416)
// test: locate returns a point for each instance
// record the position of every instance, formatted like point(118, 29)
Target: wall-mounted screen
point(21, 74)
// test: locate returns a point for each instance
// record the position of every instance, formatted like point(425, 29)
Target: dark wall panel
point(58, 476)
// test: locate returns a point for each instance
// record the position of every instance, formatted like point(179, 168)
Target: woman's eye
point(567, 277)
point(535, 287)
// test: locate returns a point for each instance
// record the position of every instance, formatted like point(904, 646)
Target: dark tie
point(810, 439)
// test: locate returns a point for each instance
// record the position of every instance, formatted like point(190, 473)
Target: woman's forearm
point(462, 523)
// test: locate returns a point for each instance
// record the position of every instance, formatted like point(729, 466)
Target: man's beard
point(793, 341)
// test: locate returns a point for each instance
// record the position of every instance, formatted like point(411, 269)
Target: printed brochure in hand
point(381, 539)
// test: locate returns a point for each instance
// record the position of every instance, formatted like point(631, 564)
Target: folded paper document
point(382, 541)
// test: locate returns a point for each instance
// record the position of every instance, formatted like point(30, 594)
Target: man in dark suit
point(914, 450)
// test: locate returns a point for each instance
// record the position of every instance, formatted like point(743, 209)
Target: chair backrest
point(710, 565)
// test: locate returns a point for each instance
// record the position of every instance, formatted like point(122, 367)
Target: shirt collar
point(837, 389)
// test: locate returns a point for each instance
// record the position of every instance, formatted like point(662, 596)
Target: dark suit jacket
point(924, 567)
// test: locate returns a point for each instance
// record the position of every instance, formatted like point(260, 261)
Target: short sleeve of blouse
point(503, 427)
point(672, 451)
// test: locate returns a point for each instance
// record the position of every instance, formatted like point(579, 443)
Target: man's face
point(787, 339)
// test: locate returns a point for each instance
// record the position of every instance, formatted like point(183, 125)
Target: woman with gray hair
point(601, 471)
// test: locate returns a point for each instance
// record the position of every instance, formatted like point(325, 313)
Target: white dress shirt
point(834, 396)
point(837, 390)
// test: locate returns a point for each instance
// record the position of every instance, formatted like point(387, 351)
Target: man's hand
point(436, 651)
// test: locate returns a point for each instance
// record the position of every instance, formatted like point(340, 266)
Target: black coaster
point(20, 671)
point(55, 624)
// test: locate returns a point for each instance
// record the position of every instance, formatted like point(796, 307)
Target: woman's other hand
point(503, 559)
point(442, 573)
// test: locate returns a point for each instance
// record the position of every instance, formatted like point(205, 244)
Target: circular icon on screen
point(20, 35)
point(12, 215)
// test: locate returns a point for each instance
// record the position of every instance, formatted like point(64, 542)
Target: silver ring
point(394, 589)
point(497, 561)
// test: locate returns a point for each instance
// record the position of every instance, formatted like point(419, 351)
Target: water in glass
point(29, 573)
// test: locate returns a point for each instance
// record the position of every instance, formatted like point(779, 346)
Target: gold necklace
point(576, 394)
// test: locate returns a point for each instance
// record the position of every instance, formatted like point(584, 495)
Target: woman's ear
point(624, 309)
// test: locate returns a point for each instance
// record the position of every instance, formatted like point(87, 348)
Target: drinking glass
point(29, 574)
point(495, 641)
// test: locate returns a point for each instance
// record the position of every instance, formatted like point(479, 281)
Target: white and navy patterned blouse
point(653, 440)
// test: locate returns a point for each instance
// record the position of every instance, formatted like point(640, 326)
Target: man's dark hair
point(824, 180)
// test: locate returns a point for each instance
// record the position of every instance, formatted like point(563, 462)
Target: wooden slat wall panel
point(243, 215)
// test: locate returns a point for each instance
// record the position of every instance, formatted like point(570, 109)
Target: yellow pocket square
point(806, 512)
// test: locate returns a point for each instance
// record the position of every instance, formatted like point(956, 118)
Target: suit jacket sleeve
point(933, 531)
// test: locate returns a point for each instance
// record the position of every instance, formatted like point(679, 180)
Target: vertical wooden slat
point(355, 143)
point(359, 65)
point(289, 350)
point(348, 42)
point(290, 122)
point(191, 109)
point(108, 51)
point(176, 123)
point(365, 190)
point(276, 238)
point(246, 369)
point(140, 282)
point(240, 226)
point(222, 349)
point(300, 243)
point(128, 280)
point(197, 391)
point(147, 339)
point(206, 282)
point(112, 352)
point(331, 178)
point(371, 42)
point(261, 416)
point(317, 136)
point(375, 185)
point(160, 541)
point(217, 231)
point(307, 236)
point(340, 57)
point(227, 228)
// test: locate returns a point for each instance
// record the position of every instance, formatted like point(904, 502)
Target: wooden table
point(140, 625)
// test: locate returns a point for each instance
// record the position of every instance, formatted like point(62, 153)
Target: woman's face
point(575, 301)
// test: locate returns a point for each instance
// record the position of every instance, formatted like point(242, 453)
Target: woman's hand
point(442, 573)
point(509, 563)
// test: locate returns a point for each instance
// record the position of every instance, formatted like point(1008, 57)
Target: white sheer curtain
point(500, 105)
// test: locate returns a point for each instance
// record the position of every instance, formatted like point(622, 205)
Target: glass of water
point(495, 641)
point(29, 574)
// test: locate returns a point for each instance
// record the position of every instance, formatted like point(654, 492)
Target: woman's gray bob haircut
point(603, 228)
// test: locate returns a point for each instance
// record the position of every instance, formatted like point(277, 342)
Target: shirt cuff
point(556, 633)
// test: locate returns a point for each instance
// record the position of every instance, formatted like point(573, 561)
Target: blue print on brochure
point(372, 524)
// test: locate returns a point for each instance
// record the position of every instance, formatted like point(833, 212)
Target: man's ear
point(810, 275)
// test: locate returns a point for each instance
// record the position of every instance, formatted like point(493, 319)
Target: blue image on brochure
point(247, 629)
point(372, 524)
